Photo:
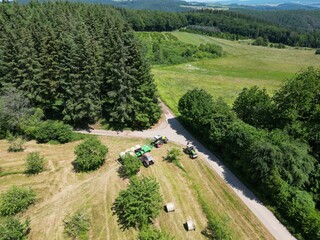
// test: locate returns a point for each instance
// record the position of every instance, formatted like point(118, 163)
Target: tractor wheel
point(145, 164)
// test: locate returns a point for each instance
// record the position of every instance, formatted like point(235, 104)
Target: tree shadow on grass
point(121, 173)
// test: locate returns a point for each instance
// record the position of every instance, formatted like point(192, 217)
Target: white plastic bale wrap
point(170, 207)
point(191, 226)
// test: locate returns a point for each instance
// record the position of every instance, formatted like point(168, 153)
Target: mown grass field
point(60, 192)
point(243, 66)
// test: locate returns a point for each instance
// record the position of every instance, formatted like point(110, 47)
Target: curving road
point(177, 133)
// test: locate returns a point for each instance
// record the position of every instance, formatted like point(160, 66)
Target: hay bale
point(170, 207)
point(191, 226)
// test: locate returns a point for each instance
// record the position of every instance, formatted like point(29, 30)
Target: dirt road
point(177, 133)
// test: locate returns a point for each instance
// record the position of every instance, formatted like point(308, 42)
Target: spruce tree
point(117, 84)
point(82, 99)
point(146, 109)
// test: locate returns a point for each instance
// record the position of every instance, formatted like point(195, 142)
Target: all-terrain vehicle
point(191, 151)
point(159, 141)
point(147, 159)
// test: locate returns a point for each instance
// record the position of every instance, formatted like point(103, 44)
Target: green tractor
point(191, 151)
point(159, 141)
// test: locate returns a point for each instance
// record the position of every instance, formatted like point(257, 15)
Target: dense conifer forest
point(225, 24)
point(292, 19)
point(77, 62)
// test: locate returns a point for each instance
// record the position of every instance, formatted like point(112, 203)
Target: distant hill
point(293, 19)
point(283, 6)
point(161, 5)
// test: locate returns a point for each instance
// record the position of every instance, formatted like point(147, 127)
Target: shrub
point(131, 165)
point(173, 155)
point(53, 131)
point(35, 163)
point(15, 200)
point(139, 203)
point(12, 228)
point(151, 233)
point(28, 124)
point(76, 226)
point(216, 230)
point(16, 144)
point(90, 154)
point(260, 41)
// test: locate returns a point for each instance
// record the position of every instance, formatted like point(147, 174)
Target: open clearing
point(60, 191)
point(243, 66)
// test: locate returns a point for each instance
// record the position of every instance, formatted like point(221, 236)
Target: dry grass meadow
point(61, 191)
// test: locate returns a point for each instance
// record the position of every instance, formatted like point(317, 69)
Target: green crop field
point(242, 66)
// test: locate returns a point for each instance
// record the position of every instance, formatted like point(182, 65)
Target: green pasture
point(243, 65)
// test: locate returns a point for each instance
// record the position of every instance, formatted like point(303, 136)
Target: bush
point(151, 233)
point(16, 144)
point(53, 131)
point(90, 154)
point(28, 124)
point(213, 49)
point(131, 165)
point(76, 226)
point(317, 51)
point(173, 155)
point(260, 41)
point(15, 200)
point(13, 229)
point(139, 203)
point(35, 163)
point(216, 230)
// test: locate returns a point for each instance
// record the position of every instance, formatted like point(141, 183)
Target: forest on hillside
point(293, 19)
point(224, 24)
point(77, 62)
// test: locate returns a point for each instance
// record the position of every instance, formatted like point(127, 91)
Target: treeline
point(224, 24)
point(147, 20)
point(159, 5)
point(293, 19)
point(273, 143)
point(77, 62)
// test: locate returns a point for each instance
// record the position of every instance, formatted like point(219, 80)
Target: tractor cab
point(159, 141)
point(191, 151)
point(147, 159)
